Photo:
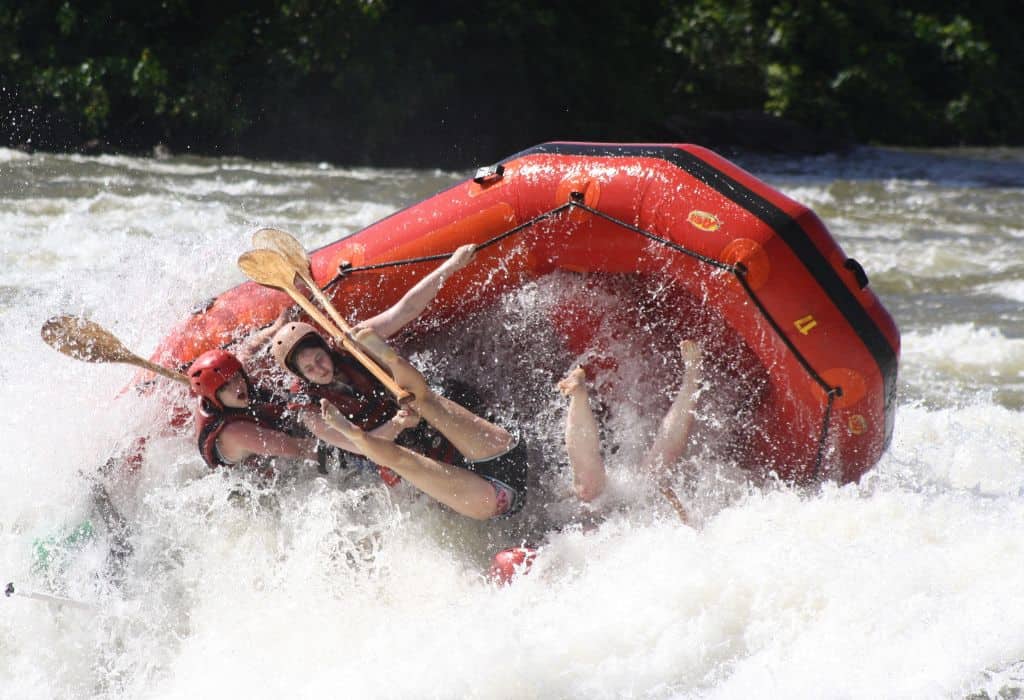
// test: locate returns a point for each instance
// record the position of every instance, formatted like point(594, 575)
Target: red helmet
point(212, 370)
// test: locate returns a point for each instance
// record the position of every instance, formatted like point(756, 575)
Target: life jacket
point(360, 397)
point(355, 392)
point(263, 410)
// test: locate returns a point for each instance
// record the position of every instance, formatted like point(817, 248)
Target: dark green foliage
point(459, 82)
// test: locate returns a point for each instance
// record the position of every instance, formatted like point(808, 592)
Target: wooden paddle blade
point(289, 248)
point(284, 243)
point(83, 340)
point(292, 251)
point(268, 267)
point(90, 342)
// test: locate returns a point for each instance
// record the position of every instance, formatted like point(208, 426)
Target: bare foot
point(691, 352)
point(573, 381)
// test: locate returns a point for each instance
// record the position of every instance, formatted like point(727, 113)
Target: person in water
point(583, 445)
point(237, 421)
point(475, 467)
point(582, 440)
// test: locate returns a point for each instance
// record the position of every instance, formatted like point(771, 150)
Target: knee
point(506, 501)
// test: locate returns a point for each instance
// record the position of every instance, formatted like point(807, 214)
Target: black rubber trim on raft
point(784, 225)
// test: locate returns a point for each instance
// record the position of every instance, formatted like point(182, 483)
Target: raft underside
point(822, 345)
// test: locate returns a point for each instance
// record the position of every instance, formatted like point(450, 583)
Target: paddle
point(292, 251)
point(90, 342)
point(9, 590)
point(271, 269)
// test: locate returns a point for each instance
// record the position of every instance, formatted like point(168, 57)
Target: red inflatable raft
point(760, 271)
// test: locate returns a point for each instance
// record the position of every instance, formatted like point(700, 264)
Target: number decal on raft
point(805, 324)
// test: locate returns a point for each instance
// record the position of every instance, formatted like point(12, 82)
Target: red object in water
point(508, 563)
point(725, 258)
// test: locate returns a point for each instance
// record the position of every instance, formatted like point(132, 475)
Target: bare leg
point(477, 439)
point(458, 488)
point(582, 440)
point(670, 442)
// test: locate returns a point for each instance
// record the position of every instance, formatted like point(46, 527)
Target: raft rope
point(739, 270)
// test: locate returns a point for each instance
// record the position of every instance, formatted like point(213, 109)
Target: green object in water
point(54, 550)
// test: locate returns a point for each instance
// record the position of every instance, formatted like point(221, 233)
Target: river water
point(906, 585)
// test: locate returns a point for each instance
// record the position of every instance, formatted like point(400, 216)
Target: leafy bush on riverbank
point(459, 82)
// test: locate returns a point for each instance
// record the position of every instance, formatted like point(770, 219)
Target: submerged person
point(582, 433)
point(583, 445)
point(461, 438)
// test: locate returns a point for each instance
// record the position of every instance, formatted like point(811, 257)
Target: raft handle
point(489, 173)
point(858, 272)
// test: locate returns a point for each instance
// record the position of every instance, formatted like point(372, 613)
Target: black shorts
point(508, 474)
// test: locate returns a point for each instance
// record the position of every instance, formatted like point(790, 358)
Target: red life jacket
point(355, 392)
point(211, 421)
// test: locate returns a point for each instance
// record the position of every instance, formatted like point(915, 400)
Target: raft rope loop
point(739, 270)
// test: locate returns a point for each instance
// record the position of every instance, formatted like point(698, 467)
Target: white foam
point(906, 585)
point(1012, 290)
point(9, 154)
point(965, 347)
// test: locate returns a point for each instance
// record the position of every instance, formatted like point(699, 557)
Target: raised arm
point(239, 440)
point(418, 298)
point(249, 345)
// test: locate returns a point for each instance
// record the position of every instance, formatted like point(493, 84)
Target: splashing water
point(905, 585)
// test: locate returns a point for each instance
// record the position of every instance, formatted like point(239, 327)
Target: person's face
point(315, 365)
point(235, 394)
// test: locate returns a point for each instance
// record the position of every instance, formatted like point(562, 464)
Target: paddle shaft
point(325, 302)
point(344, 337)
point(9, 591)
point(153, 367)
point(670, 495)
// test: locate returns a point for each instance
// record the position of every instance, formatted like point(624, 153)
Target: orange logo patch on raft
point(703, 220)
point(858, 424)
